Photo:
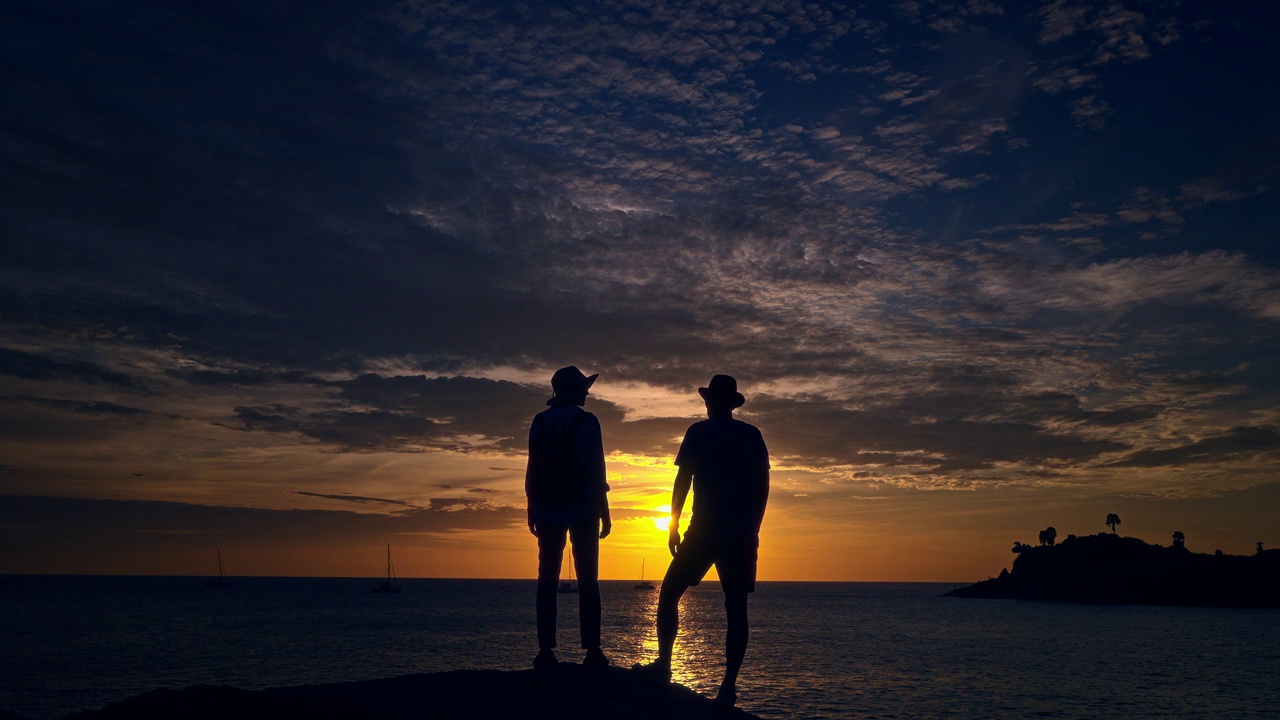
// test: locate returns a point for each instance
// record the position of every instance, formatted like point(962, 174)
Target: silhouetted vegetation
point(1048, 536)
point(1112, 521)
point(1179, 540)
point(1107, 568)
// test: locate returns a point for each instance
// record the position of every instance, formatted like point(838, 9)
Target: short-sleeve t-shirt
point(730, 464)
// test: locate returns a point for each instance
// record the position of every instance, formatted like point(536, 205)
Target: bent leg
point(669, 615)
point(692, 561)
point(586, 559)
point(550, 555)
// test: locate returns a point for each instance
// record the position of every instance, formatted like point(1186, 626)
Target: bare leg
point(668, 624)
point(735, 644)
point(668, 618)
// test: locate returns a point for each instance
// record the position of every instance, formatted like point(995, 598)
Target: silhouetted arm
point(528, 482)
point(595, 459)
point(680, 491)
point(606, 524)
point(760, 495)
point(762, 498)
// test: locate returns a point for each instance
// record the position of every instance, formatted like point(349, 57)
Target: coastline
point(1111, 569)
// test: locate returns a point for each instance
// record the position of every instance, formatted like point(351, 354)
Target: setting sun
point(664, 522)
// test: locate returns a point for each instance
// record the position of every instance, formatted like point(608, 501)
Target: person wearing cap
point(726, 464)
point(568, 496)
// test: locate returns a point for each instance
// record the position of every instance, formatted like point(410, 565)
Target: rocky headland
point(1107, 568)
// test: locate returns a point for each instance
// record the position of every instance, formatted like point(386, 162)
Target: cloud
point(1116, 32)
point(376, 234)
point(1064, 78)
point(33, 366)
point(81, 522)
point(1060, 19)
point(360, 499)
point(1240, 440)
point(1090, 112)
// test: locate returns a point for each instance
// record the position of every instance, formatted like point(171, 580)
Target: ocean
point(818, 650)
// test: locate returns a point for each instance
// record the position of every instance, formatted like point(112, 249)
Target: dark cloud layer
point(26, 520)
point(936, 242)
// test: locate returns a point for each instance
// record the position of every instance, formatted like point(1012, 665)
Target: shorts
point(735, 563)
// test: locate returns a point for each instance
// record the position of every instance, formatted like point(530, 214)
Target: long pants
point(586, 558)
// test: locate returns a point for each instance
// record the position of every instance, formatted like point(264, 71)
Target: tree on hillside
point(1259, 547)
point(1048, 536)
point(1020, 547)
point(1179, 540)
point(1112, 521)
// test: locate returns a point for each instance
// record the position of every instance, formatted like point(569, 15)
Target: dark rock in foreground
point(568, 692)
point(1111, 569)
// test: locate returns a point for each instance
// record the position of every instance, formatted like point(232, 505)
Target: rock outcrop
point(1111, 569)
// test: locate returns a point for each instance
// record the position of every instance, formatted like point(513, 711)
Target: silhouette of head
point(570, 385)
point(722, 393)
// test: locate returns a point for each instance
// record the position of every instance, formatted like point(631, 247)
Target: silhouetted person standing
point(726, 463)
point(565, 486)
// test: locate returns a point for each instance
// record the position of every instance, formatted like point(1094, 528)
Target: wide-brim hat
point(723, 388)
point(569, 382)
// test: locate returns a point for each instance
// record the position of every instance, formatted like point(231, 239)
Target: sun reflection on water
point(698, 659)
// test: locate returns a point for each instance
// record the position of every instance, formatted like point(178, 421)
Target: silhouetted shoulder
point(728, 444)
point(554, 418)
point(695, 427)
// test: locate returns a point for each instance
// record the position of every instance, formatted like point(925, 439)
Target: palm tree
point(1179, 540)
point(1112, 521)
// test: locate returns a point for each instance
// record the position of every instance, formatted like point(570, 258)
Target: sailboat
point(220, 581)
point(389, 585)
point(642, 585)
point(568, 586)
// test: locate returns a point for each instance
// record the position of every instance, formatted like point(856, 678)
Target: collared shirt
point(590, 455)
point(730, 466)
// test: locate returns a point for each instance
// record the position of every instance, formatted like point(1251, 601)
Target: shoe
point(727, 697)
point(656, 671)
point(595, 659)
point(546, 659)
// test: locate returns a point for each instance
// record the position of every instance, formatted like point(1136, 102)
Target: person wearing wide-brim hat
point(725, 463)
point(568, 496)
point(723, 391)
point(569, 385)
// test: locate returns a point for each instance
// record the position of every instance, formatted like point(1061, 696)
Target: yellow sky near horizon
point(813, 531)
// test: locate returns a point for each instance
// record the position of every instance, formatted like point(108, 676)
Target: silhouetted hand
point(606, 527)
point(533, 527)
point(673, 540)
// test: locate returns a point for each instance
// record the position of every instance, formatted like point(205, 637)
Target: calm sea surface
point(818, 650)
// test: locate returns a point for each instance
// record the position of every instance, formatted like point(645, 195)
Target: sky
point(290, 279)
